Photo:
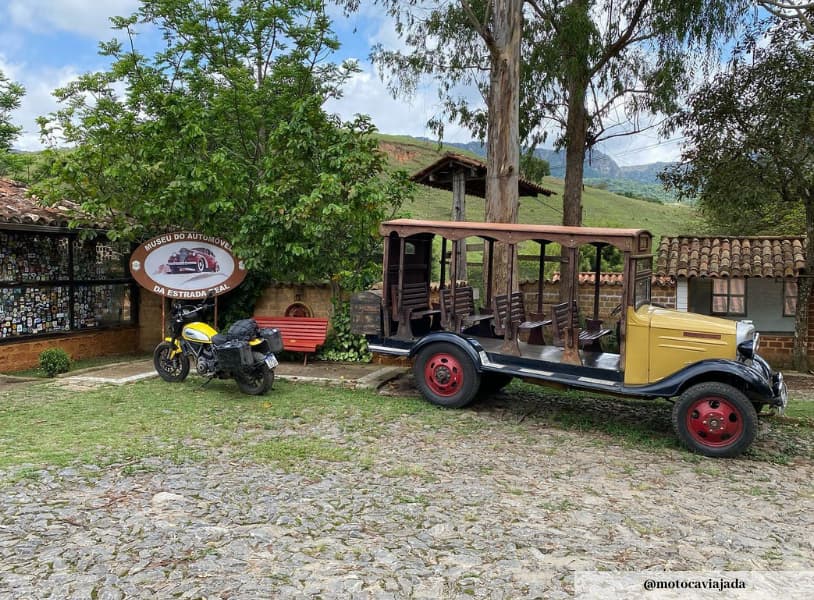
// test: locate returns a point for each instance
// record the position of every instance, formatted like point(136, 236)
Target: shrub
point(342, 345)
point(54, 361)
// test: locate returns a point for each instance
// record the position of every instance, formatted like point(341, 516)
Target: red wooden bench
point(300, 334)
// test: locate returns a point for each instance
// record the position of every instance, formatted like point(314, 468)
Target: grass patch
point(45, 425)
point(292, 452)
point(84, 363)
point(300, 426)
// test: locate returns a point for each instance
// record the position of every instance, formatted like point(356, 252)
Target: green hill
point(602, 208)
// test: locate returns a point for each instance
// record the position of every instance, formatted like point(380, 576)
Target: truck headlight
point(749, 348)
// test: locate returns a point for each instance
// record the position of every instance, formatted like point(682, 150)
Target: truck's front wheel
point(715, 419)
point(446, 376)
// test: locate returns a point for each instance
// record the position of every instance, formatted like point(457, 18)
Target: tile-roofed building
point(17, 207)
point(730, 256)
point(751, 278)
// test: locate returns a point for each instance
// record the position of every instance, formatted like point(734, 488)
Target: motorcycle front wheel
point(256, 382)
point(173, 369)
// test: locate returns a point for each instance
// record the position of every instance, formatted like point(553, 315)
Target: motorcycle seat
point(220, 338)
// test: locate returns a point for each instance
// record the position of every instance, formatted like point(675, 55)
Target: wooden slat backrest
point(415, 296)
point(464, 304)
point(560, 322)
point(508, 309)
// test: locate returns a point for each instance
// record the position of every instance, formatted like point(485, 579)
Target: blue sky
point(46, 43)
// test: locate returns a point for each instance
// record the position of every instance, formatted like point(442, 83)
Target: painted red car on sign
point(193, 259)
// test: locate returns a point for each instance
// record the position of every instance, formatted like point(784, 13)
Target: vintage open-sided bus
point(708, 365)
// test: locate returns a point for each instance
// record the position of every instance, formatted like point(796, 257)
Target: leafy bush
point(54, 361)
point(342, 345)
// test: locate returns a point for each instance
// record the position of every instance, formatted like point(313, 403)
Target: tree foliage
point(11, 94)
point(749, 156)
point(223, 132)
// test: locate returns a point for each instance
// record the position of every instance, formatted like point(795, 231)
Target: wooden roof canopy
point(637, 241)
point(439, 175)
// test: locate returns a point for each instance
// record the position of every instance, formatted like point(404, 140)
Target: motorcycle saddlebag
point(245, 329)
point(234, 355)
point(273, 338)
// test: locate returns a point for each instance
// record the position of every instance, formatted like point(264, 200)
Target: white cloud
point(83, 17)
point(38, 100)
point(365, 93)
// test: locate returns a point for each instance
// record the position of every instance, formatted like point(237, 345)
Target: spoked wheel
point(715, 419)
point(446, 376)
point(172, 369)
point(201, 265)
point(257, 381)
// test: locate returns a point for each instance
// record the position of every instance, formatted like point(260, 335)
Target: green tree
point(223, 132)
point(465, 43)
point(749, 157)
point(11, 94)
point(533, 167)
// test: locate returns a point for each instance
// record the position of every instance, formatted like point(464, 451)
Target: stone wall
point(110, 342)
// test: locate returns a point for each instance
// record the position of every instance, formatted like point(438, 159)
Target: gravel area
point(503, 505)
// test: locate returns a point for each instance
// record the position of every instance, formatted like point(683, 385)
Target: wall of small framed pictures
point(53, 283)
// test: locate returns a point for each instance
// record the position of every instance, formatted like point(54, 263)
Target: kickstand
point(205, 383)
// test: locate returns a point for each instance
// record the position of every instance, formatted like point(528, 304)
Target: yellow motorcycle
point(244, 353)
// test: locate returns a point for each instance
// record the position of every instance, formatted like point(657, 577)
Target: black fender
point(751, 380)
point(470, 346)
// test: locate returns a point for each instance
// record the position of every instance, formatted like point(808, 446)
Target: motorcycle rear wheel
point(256, 382)
point(173, 370)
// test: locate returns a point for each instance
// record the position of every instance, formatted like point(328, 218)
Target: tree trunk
point(575, 132)
point(800, 350)
point(503, 131)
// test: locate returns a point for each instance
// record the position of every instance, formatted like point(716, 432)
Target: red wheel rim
point(444, 374)
point(714, 421)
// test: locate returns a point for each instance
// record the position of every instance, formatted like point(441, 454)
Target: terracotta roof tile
point(730, 256)
point(17, 207)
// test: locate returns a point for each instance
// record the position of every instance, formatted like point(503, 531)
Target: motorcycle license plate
point(271, 361)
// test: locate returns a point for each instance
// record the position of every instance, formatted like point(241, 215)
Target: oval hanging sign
point(186, 265)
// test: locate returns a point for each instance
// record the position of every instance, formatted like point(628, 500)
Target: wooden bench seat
point(510, 315)
point(588, 337)
point(464, 314)
point(300, 334)
point(412, 304)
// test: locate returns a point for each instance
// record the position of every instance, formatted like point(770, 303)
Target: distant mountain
point(598, 165)
point(648, 173)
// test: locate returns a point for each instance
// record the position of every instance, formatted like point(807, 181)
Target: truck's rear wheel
point(715, 419)
point(446, 376)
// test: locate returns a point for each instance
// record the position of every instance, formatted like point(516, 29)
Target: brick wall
point(111, 342)
point(149, 318)
point(609, 297)
point(277, 298)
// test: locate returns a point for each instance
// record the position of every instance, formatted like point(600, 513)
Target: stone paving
point(510, 510)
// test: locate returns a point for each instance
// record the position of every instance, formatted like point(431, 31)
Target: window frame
point(728, 296)
point(787, 284)
point(71, 281)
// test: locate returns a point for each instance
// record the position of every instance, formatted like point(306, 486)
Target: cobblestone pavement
point(510, 510)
